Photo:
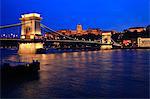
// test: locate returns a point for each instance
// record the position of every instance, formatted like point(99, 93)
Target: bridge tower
point(30, 26)
point(30, 31)
point(106, 40)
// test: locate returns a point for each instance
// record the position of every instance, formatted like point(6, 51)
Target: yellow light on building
point(30, 15)
point(29, 48)
point(38, 45)
point(33, 25)
point(143, 42)
point(106, 39)
point(31, 36)
point(22, 37)
point(105, 47)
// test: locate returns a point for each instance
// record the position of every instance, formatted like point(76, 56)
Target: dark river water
point(92, 74)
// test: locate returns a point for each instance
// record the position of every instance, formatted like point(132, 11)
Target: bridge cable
point(115, 43)
point(13, 25)
point(56, 32)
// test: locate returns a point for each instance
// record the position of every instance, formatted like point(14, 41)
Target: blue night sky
point(66, 14)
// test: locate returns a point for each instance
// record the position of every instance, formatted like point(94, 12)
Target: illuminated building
point(73, 32)
point(30, 26)
point(137, 29)
point(94, 31)
point(127, 42)
point(79, 29)
point(143, 42)
point(65, 32)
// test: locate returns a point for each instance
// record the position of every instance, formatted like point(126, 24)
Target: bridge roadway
point(63, 41)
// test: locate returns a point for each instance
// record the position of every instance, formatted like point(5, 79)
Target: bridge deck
point(63, 41)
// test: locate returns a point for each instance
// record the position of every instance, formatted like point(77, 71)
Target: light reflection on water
point(105, 73)
point(29, 48)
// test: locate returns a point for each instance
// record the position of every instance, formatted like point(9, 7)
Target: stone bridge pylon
point(30, 28)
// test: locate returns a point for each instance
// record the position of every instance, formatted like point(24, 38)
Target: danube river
point(92, 74)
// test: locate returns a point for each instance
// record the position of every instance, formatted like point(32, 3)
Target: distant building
point(137, 29)
point(73, 32)
point(106, 32)
point(65, 32)
point(95, 31)
point(79, 31)
point(127, 42)
point(144, 42)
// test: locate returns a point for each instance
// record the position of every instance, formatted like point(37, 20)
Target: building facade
point(95, 31)
point(79, 31)
point(144, 42)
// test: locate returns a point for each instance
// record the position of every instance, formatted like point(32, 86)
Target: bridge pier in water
point(29, 48)
point(105, 47)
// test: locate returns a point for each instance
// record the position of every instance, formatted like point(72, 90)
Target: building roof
point(135, 27)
